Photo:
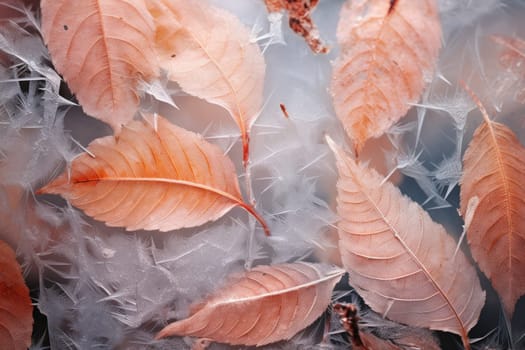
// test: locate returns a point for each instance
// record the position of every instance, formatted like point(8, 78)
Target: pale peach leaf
point(208, 52)
point(399, 260)
point(103, 49)
point(388, 51)
point(264, 305)
point(494, 177)
point(152, 176)
point(16, 311)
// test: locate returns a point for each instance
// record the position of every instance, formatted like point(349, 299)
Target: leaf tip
point(477, 101)
point(57, 186)
point(337, 150)
point(172, 329)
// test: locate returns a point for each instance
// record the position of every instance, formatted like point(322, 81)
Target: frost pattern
point(77, 264)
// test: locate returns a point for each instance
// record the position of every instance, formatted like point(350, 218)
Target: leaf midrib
point(281, 291)
point(106, 54)
point(236, 200)
point(506, 191)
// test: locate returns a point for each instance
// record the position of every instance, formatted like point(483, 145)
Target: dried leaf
point(392, 336)
point(405, 337)
point(8, 10)
point(16, 311)
point(492, 182)
point(388, 48)
point(103, 49)
point(371, 342)
point(401, 262)
point(418, 341)
point(153, 176)
point(300, 20)
point(513, 59)
point(264, 305)
point(208, 52)
point(514, 53)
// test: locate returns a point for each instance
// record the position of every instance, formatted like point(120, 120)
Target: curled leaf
point(300, 20)
point(264, 305)
point(492, 182)
point(16, 311)
point(402, 263)
point(102, 49)
point(153, 176)
point(388, 48)
point(208, 52)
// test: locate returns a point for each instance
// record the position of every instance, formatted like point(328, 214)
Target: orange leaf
point(208, 52)
point(264, 305)
point(300, 20)
point(153, 176)
point(102, 48)
point(402, 263)
point(493, 176)
point(16, 311)
point(388, 49)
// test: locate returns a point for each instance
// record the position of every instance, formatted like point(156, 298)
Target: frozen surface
point(104, 288)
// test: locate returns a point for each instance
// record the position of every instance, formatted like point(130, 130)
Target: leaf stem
point(245, 151)
point(251, 210)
